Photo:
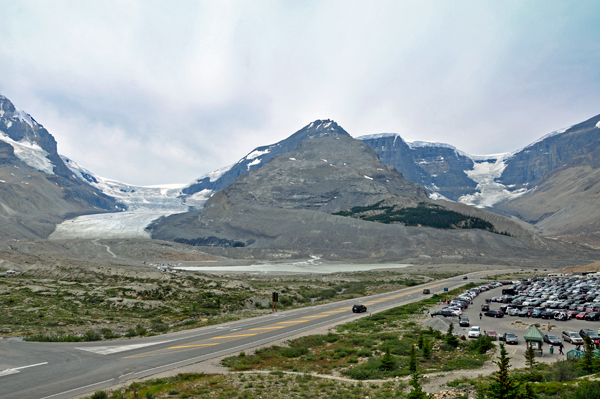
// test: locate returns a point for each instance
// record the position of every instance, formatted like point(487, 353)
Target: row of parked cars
point(455, 307)
point(558, 298)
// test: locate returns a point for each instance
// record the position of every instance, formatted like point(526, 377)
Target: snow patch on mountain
point(598, 125)
point(257, 153)
point(215, 175)
point(485, 171)
point(30, 153)
point(378, 136)
point(21, 115)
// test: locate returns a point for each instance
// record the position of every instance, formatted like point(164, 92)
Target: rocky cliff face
point(37, 190)
point(438, 167)
point(529, 165)
point(222, 178)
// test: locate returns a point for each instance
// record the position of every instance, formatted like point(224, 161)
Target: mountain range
point(291, 196)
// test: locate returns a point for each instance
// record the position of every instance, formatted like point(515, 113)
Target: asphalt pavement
point(505, 324)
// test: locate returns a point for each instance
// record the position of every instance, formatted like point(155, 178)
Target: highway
point(38, 370)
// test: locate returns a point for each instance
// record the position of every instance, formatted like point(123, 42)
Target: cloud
point(155, 92)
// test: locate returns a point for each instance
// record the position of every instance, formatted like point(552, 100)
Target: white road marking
point(76, 389)
point(107, 350)
point(16, 369)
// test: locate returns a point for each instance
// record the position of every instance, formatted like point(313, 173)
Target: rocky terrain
point(287, 205)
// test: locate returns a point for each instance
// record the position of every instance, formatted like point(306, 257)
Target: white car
point(475, 332)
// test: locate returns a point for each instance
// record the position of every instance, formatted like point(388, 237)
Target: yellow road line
point(234, 336)
point(194, 346)
point(291, 322)
point(314, 317)
point(267, 328)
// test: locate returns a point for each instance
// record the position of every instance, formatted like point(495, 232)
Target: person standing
point(560, 348)
point(479, 315)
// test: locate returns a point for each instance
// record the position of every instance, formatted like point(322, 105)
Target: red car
point(572, 313)
point(580, 316)
point(492, 334)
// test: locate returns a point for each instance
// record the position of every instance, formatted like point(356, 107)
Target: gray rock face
point(259, 156)
point(528, 166)
point(440, 168)
point(37, 190)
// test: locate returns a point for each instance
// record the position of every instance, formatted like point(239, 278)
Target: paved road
point(63, 370)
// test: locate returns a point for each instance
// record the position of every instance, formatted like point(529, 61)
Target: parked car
point(359, 308)
point(580, 315)
point(524, 313)
point(463, 322)
point(551, 339)
point(572, 337)
point(445, 313)
point(485, 306)
point(474, 332)
point(513, 312)
point(586, 332)
point(494, 313)
point(492, 334)
point(562, 316)
point(426, 291)
point(592, 316)
point(509, 338)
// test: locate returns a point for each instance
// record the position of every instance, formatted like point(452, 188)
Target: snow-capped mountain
point(222, 178)
point(37, 190)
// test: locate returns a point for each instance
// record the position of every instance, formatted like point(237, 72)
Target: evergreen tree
point(420, 341)
point(426, 348)
point(528, 393)
point(412, 364)
point(530, 357)
point(587, 361)
point(503, 386)
point(417, 391)
point(451, 339)
point(387, 361)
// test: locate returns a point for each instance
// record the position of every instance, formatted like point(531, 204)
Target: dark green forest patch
point(429, 215)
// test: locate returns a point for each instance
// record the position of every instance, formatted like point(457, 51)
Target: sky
point(155, 92)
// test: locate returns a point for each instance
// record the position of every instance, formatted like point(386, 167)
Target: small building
point(535, 338)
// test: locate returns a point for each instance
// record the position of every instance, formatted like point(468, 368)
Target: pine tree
point(387, 361)
point(587, 361)
point(412, 364)
point(530, 357)
point(426, 348)
point(503, 386)
point(451, 339)
point(420, 341)
point(417, 391)
point(528, 392)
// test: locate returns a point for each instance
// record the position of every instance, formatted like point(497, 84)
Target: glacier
point(145, 204)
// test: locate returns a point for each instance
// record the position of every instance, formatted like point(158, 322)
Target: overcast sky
point(150, 92)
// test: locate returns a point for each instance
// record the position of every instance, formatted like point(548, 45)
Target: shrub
point(99, 395)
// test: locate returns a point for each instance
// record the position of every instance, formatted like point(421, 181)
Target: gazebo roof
point(533, 334)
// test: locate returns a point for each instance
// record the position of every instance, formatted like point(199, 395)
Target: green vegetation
point(429, 215)
point(95, 306)
point(276, 385)
point(376, 347)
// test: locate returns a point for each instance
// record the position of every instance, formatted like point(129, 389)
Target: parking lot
point(520, 325)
